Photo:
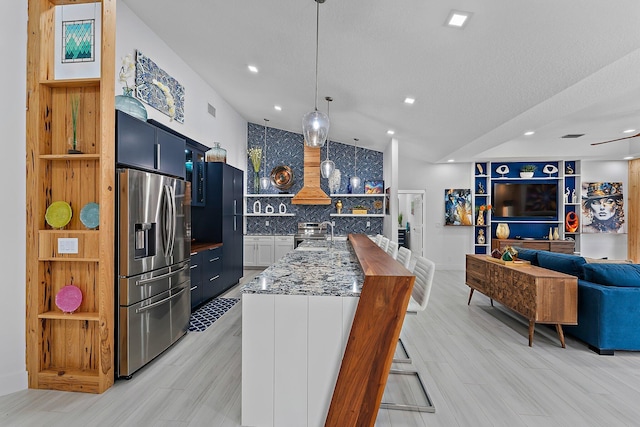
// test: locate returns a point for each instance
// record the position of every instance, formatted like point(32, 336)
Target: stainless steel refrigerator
point(153, 248)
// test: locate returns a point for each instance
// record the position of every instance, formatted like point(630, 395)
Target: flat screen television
point(525, 199)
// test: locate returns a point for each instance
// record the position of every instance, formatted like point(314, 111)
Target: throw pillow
point(564, 263)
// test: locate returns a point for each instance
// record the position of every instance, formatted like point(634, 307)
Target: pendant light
point(327, 166)
point(315, 124)
point(355, 181)
point(265, 181)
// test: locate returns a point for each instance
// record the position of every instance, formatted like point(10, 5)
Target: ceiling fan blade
point(613, 140)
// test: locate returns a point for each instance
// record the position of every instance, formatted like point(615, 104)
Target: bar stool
point(424, 272)
point(404, 257)
point(384, 243)
point(392, 249)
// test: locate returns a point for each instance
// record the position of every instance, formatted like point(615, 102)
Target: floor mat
point(204, 317)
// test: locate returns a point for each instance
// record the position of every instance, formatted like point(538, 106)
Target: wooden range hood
point(311, 193)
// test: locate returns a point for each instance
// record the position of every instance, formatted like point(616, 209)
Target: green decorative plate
point(90, 215)
point(58, 214)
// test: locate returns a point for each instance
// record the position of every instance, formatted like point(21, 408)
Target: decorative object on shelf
point(354, 180)
point(481, 210)
point(90, 215)
point(69, 298)
point(527, 171)
point(400, 219)
point(496, 254)
point(480, 188)
point(571, 222)
point(265, 181)
point(556, 234)
point(502, 170)
point(509, 254)
point(257, 207)
point(282, 208)
point(550, 233)
point(568, 169)
point(315, 124)
point(268, 209)
point(457, 207)
point(339, 206)
point(76, 28)
point(126, 102)
point(58, 214)
point(158, 89)
point(387, 200)
point(282, 177)
point(567, 195)
point(255, 154)
point(480, 169)
point(574, 198)
point(75, 108)
point(602, 207)
point(327, 166)
point(359, 210)
point(549, 169)
point(502, 230)
point(216, 154)
point(373, 187)
point(334, 181)
point(377, 204)
point(481, 239)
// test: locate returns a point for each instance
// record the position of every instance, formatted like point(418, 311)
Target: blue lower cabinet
point(212, 283)
point(196, 279)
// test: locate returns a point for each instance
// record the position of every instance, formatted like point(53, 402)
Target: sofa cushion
point(530, 255)
point(624, 275)
point(564, 263)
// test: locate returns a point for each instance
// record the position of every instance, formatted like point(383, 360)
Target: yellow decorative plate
point(58, 214)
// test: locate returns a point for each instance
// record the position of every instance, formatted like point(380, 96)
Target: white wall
point(13, 21)
point(228, 127)
point(446, 246)
point(613, 246)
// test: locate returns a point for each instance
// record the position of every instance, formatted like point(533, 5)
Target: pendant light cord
point(355, 157)
point(317, 44)
point(329, 99)
point(264, 155)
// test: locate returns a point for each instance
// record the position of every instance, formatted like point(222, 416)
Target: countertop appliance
point(153, 277)
point(309, 230)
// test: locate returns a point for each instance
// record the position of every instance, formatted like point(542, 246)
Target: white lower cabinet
point(262, 251)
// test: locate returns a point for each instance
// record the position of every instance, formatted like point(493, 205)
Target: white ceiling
point(556, 67)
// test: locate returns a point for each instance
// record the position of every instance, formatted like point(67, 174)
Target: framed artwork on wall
point(77, 41)
point(373, 187)
point(602, 207)
point(457, 206)
point(157, 88)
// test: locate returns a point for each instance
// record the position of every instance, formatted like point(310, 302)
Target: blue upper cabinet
point(143, 146)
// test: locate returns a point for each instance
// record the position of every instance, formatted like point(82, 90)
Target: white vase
point(502, 230)
point(526, 174)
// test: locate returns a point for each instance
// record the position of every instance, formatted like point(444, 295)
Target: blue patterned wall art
point(286, 148)
point(78, 41)
point(152, 93)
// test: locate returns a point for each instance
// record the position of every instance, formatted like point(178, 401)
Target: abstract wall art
point(158, 89)
point(457, 207)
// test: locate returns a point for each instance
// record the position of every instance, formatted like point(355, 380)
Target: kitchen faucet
point(328, 223)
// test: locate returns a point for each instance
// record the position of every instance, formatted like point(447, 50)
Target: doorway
point(411, 206)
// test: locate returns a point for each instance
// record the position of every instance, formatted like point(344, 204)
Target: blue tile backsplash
point(286, 148)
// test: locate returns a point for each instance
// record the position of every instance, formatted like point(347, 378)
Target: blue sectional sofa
point(608, 299)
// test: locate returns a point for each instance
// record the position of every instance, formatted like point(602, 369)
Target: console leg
point(532, 325)
point(560, 334)
point(470, 295)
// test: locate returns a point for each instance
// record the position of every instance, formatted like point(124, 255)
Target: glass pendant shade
point(315, 128)
point(265, 182)
point(355, 183)
point(327, 167)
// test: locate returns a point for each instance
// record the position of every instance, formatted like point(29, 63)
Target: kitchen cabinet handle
point(193, 266)
point(214, 278)
point(157, 303)
point(194, 288)
point(214, 259)
point(162, 276)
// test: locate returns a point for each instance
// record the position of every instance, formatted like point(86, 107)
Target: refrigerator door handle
point(166, 220)
point(162, 301)
point(161, 276)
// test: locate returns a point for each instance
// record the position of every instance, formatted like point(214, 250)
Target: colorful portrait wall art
point(602, 207)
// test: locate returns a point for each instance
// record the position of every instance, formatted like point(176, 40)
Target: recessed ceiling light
point(277, 108)
point(629, 131)
point(409, 101)
point(628, 158)
point(391, 132)
point(529, 133)
point(253, 68)
point(451, 160)
point(458, 18)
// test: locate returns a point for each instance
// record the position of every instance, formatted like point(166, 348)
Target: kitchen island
point(298, 319)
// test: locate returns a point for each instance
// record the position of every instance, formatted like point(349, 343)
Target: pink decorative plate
point(69, 298)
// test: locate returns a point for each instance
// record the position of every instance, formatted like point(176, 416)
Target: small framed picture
point(373, 187)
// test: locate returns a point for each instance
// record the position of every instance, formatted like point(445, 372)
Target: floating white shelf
point(357, 195)
point(269, 214)
point(269, 195)
point(361, 215)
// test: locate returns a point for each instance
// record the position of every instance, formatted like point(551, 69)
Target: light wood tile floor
point(474, 360)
